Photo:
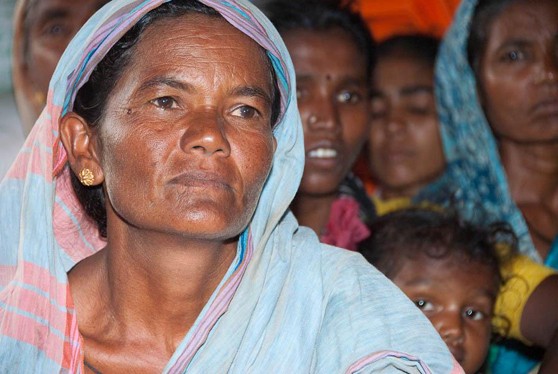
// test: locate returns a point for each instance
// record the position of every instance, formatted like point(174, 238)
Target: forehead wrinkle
point(165, 81)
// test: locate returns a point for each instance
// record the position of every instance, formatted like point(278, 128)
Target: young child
point(449, 268)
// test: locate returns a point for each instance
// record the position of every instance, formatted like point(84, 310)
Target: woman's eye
point(245, 111)
point(301, 94)
point(513, 56)
point(424, 305)
point(419, 110)
point(165, 102)
point(54, 30)
point(348, 97)
point(474, 315)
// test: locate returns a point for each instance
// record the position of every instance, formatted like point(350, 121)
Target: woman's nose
point(548, 72)
point(205, 134)
point(323, 116)
point(450, 327)
point(395, 122)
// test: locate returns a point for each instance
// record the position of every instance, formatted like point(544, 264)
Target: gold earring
point(86, 177)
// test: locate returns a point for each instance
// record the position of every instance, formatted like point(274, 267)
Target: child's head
point(448, 268)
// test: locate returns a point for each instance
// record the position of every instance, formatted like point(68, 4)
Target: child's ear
point(82, 155)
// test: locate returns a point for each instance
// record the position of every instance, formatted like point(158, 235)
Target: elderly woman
point(42, 30)
point(145, 223)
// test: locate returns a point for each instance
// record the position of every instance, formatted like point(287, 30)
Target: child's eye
point(165, 103)
point(474, 315)
point(424, 305)
point(245, 111)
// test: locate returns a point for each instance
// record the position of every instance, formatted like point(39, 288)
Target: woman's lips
point(546, 108)
point(201, 179)
point(322, 153)
point(323, 157)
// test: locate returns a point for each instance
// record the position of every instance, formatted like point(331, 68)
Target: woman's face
point(186, 142)
point(332, 91)
point(405, 149)
point(458, 298)
point(51, 24)
point(518, 75)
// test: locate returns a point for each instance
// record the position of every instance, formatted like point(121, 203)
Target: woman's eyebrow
point(419, 88)
point(251, 91)
point(165, 81)
point(53, 13)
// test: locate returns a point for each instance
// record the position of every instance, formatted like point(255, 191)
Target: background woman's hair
point(319, 15)
point(420, 47)
point(92, 98)
point(483, 17)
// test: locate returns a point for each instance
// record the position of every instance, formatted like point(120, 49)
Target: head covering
point(287, 302)
point(475, 181)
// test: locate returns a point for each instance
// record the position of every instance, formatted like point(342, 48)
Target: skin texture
point(518, 79)
point(333, 102)
point(458, 298)
point(192, 116)
point(43, 29)
point(405, 148)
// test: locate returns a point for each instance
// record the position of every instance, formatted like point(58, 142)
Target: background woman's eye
point(245, 111)
point(165, 102)
point(55, 30)
point(348, 97)
point(301, 93)
point(513, 56)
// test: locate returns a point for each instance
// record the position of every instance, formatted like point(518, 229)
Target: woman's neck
point(532, 172)
point(146, 288)
point(313, 210)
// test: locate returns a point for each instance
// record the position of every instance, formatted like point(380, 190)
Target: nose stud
point(312, 119)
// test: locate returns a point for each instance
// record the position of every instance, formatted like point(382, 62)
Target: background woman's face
point(186, 141)
point(519, 72)
point(332, 90)
point(51, 24)
point(405, 148)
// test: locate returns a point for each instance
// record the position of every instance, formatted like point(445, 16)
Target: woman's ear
point(76, 136)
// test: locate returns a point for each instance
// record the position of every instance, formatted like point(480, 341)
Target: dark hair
point(91, 99)
point(416, 232)
point(416, 46)
point(483, 17)
point(319, 15)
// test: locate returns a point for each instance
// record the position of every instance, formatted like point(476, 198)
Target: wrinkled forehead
point(108, 25)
